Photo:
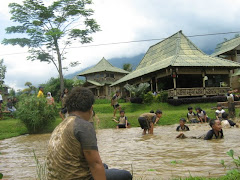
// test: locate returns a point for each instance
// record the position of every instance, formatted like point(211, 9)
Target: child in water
point(225, 118)
point(182, 126)
point(147, 121)
point(122, 122)
point(215, 133)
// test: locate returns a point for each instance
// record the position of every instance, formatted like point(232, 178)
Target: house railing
point(187, 92)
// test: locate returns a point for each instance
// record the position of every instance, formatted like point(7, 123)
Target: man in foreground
point(72, 150)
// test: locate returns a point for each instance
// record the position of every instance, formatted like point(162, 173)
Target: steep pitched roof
point(95, 83)
point(176, 51)
point(226, 46)
point(101, 66)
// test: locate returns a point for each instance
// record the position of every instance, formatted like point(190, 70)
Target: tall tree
point(49, 30)
point(127, 67)
point(3, 70)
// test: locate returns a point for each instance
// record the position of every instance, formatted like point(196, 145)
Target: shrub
point(137, 91)
point(137, 100)
point(148, 98)
point(162, 97)
point(35, 113)
point(177, 102)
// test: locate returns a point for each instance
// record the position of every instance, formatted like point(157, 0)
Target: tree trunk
point(59, 66)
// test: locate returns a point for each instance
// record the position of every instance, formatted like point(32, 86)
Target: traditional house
point(101, 76)
point(177, 65)
point(230, 50)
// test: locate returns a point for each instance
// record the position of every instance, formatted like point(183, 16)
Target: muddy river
point(158, 156)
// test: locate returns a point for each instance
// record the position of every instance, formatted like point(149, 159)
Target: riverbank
point(171, 115)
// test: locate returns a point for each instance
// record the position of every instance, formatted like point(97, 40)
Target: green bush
point(148, 98)
point(162, 97)
point(35, 113)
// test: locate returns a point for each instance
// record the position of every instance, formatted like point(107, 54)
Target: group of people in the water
point(147, 120)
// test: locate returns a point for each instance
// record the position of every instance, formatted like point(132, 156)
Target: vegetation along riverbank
point(10, 127)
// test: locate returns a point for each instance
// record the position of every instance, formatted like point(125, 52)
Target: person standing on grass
point(231, 104)
point(72, 149)
point(50, 99)
point(40, 92)
point(63, 97)
point(147, 121)
point(115, 104)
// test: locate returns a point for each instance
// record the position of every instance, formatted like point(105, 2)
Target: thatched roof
point(102, 66)
point(175, 51)
point(226, 46)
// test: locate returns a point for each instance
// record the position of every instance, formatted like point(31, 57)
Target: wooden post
point(175, 86)
point(204, 84)
point(156, 85)
point(106, 91)
point(98, 92)
point(151, 83)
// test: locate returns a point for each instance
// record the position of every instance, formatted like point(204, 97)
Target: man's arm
point(95, 164)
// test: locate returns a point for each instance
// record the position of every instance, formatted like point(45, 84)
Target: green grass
point(171, 115)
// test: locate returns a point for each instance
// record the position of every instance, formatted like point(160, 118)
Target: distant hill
point(117, 62)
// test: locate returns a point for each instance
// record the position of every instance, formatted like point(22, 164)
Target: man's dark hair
point(183, 120)
point(122, 111)
point(224, 115)
point(79, 99)
point(219, 105)
point(212, 122)
point(158, 112)
point(189, 108)
point(152, 111)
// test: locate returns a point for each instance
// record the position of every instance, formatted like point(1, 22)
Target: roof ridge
point(178, 39)
point(228, 40)
point(156, 44)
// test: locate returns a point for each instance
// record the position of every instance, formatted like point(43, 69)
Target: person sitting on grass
point(219, 112)
point(215, 133)
point(182, 126)
point(122, 122)
point(10, 106)
point(202, 115)
point(191, 116)
point(114, 103)
point(225, 118)
point(147, 121)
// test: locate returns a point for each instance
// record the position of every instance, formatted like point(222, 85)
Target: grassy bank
point(171, 115)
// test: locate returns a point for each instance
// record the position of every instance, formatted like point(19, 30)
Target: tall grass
point(41, 169)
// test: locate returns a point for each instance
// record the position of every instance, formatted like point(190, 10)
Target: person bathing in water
point(147, 121)
point(215, 133)
point(182, 126)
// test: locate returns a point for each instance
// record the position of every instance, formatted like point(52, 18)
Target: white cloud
point(128, 20)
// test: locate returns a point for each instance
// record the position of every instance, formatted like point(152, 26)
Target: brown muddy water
point(150, 156)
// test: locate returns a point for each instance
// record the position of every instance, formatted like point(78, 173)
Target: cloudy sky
point(126, 20)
